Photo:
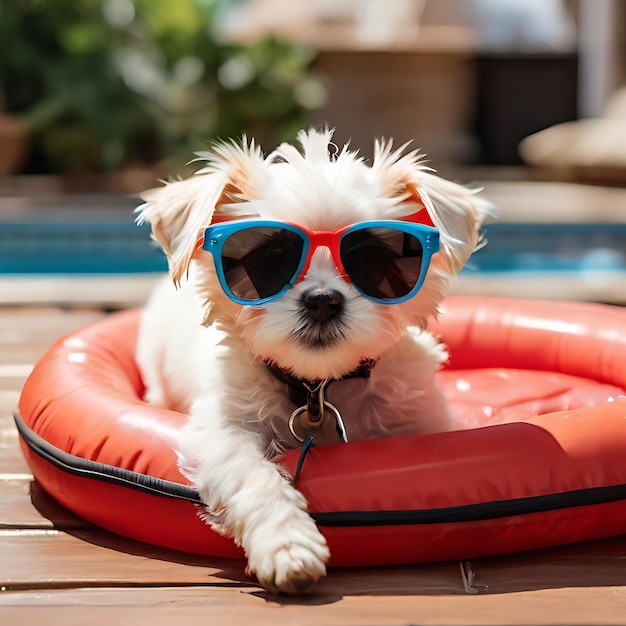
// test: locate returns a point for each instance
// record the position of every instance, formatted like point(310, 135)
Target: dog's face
point(323, 326)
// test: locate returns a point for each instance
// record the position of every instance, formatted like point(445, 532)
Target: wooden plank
point(43, 559)
point(41, 323)
point(21, 353)
point(12, 461)
point(8, 401)
point(329, 604)
point(108, 292)
point(8, 433)
point(12, 383)
point(599, 563)
point(26, 505)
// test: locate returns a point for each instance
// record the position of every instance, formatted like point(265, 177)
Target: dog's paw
point(289, 562)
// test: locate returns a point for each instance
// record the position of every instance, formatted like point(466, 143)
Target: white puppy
point(301, 311)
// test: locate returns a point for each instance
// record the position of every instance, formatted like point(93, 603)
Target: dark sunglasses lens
point(258, 262)
point(383, 263)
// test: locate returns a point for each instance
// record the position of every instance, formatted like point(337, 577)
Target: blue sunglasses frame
point(216, 235)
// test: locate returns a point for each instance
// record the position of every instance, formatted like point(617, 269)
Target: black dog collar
point(301, 390)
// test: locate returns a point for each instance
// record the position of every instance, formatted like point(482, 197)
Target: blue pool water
point(121, 248)
point(78, 248)
point(551, 248)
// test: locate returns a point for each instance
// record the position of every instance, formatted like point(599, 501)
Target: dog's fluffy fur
point(204, 355)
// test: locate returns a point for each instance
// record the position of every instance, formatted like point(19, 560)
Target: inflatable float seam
point(474, 512)
point(101, 471)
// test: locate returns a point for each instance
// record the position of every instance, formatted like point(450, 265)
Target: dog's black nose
point(322, 304)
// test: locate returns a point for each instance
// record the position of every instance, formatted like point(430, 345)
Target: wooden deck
point(57, 569)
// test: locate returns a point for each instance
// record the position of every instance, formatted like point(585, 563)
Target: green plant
point(102, 83)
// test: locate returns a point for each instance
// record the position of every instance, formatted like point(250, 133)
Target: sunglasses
point(259, 260)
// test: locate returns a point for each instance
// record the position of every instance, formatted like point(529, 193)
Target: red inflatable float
point(540, 460)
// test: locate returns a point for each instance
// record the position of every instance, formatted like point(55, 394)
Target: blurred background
point(100, 99)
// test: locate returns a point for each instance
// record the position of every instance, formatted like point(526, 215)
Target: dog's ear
point(177, 212)
point(180, 210)
point(456, 211)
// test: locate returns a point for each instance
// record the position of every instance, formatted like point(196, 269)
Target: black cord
point(305, 448)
